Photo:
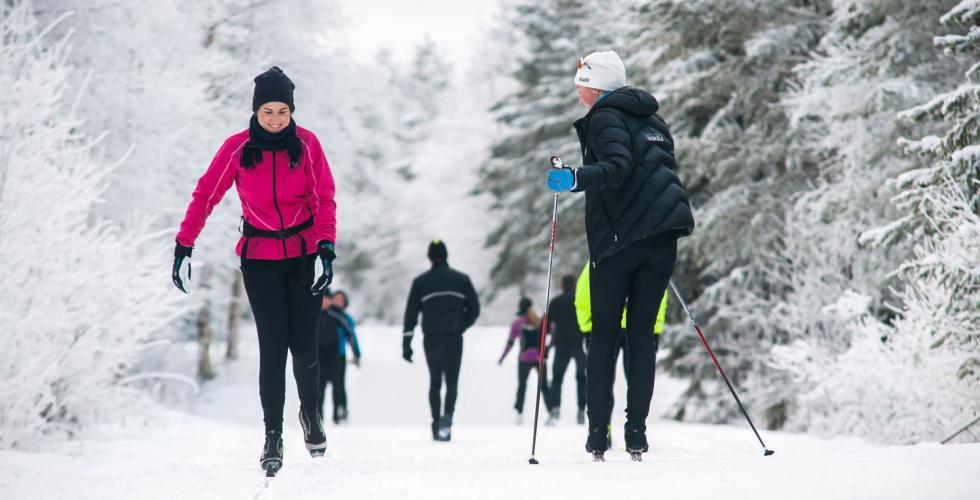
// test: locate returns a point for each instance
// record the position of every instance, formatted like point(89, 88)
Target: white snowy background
point(831, 149)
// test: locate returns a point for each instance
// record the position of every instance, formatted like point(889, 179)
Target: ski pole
point(555, 163)
point(766, 451)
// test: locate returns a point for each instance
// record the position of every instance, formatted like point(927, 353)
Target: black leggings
point(620, 346)
point(562, 359)
point(286, 316)
point(333, 370)
point(639, 273)
point(443, 355)
point(523, 372)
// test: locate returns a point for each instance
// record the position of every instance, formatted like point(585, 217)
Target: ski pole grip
point(556, 162)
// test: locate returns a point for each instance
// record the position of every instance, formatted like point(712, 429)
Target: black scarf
point(259, 139)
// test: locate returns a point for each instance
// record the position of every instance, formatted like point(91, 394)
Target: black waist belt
point(249, 231)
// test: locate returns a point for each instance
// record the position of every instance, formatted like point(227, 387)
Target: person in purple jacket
point(527, 329)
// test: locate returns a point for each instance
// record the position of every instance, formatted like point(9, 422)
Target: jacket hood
point(631, 101)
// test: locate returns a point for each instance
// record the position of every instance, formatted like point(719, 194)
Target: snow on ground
point(386, 452)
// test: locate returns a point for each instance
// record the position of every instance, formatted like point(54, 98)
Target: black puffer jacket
point(629, 174)
point(447, 300)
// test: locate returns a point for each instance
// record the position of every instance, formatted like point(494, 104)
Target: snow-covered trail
point(386, 451)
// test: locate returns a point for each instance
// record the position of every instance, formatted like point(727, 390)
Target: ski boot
point(580, 417)
point(636, 441)
point(271, 459)
point(445, 428)
point(316, 441)
point(598, 442)
point(553, 417)
point(435, 430)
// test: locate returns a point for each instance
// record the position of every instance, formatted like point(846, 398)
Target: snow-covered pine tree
point(934, 344)
point(81, 295)
point(158, 86)
point(538, 116)
point(875, 59)
point(394, 109)
point(719, 69)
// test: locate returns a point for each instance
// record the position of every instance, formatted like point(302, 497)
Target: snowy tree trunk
point(234, 316)
point(204, 336)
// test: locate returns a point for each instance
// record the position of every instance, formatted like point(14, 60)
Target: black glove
point(181, 253)
point(407, 349)
point(324, 250)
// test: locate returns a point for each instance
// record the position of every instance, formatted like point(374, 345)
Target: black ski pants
point(443, 355)
point(563, 357)
point(286, 316)
point(638, 274)
point(523, 372)
point(333, 372)
point(619, 346)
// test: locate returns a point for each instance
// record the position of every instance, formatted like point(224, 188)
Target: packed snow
point(211, 451)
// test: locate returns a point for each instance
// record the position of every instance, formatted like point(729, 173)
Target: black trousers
point(443, 355)
point(523, 371)
point(286, 316)
point(620, 346)
point(333, 372)
point(640, 274)
point(563, 357)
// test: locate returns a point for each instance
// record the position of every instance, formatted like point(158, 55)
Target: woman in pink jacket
point(526, 329)
point(288, 226)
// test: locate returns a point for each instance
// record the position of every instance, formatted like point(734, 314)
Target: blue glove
point(326, 255)
point(561, 179)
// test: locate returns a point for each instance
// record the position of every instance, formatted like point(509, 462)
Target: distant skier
point(449, 306)
point(337, 329)
point(526, 329)
point(635, 210)
point(288, 223)
point(583, 313)
point(566, 340)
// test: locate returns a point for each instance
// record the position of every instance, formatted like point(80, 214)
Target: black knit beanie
point(273, 86)
point(438, 251)
point(523, 306)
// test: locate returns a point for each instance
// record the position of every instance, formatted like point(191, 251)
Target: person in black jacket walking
point(567, 341)
point(449, 306)
point(635, 210)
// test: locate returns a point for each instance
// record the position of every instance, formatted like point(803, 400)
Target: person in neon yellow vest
point(583, 312)
point(583, 306)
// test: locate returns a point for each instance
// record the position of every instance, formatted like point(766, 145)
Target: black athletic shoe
point(271, 459)
point(598, 440)
point(445, 427)
point(636, 439)
point(316, 441)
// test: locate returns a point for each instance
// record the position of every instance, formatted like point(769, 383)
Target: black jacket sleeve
point(611, 142)
point(472, 304)
point(412, 308)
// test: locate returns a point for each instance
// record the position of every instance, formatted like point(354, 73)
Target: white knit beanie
point(601, 70)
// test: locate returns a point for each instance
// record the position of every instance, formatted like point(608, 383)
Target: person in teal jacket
point(336, 331)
